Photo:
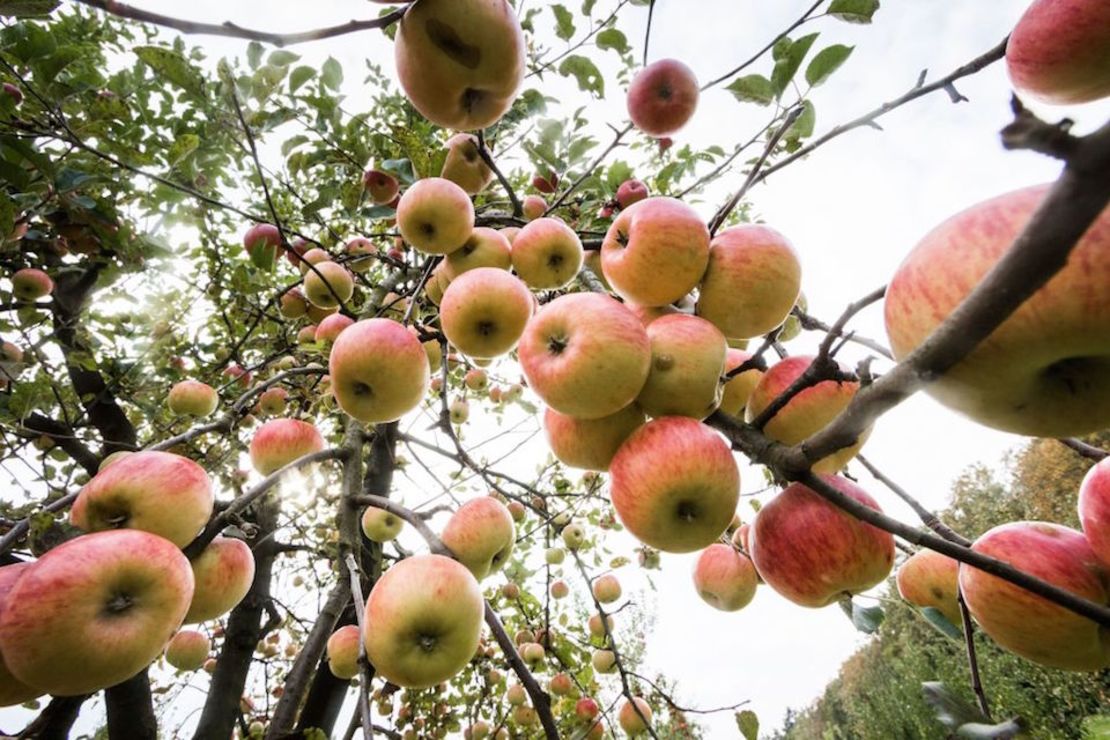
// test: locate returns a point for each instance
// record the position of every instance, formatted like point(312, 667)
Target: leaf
point(172, 66)
point(866, 619)
point(943, 624)
point(585, 72)
point(613, 38)
point(827, 61)
point(254, 54)
point(69, 179)
point(564, 22)
point(788, 64)
point(1096, 727)
point(282, 57)
point(748, 723)
point(853, 11)
point(299, 76)
point(25, 8)
point(617, 173)
point(183, 147)
point(752, 89)
point(803, 127)
point(331, 74)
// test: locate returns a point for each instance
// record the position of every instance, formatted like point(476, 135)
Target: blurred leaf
point(282, 58)
point(24, 8)
point(827, 61)
point(564, 22)
point(936, 618)
point(585, 72)
point(853, 11)
point(748, 723)
point(612, 38)
point(950, 710)
point(331, 74)
point(752, 89)
point(299, 76)
point(254, 54)
point(866, 619)
point(1096, 727)
point(172, 66)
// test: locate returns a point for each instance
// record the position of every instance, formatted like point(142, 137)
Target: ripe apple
point(476, 379)
point(328, 330)
point(480, 535)
point(423, 621)
point(687, 360)
point(157, 492)
point(314, 256)
point(379, 370)
point(435, 215)
point(607, 588)
point(561, 684)
point(380, 525)
point(560, 589)
point(306, 334)
point(1094, 509)
point(223, 573)
point(188, 650)
point(812, 552)
point(1029, 625)
point(655, 252)
point(631, 191)
point(635, 722)
point(279, 442)
point(329, 285)
point(674, 484)
point(597, 629)
point(262, 243)
point(1057, 51)
point(342, 649)
point(534, 206)
point(485, 247)
point(382, 186)
point(586, 708)
point(662, 97)
point(12, 690)
point(590, 443)
point(806, 413)
point(930, 579)
point(292, 304)
point(532, 653)
point(724, 578)
point(193, 398)
point(547, 254)
point(485, 311)
point(94, 611)
point(738, 389)
point(604, 661)
point(273, 401)
point(360, 254)
point(464, 165)
point(460, 62)
point(30, 284)
point(585, 355)
point(752, 281)
point(1043, 372)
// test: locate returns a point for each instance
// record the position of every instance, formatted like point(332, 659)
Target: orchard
point(353, 415)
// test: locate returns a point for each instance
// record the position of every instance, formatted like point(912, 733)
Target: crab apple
point(635, 716)
point(157, 492)
point(476, 379)
point(459, 411)
point(1044, 371)
point(485, 247)
point(930, 579)
point(604, 661)
point(380, 525)
point(631, 191)
point(192, 398)
point(1057, 52)
point(806, 413)
point(607, 588)
point(687, 360)
point(655, 252)
point(662, 97)
point(329, 285)
point(292, 304)
point(586, 708)
point(480, 535)
point(379, 370)
point(812, 552)
point(752, 281)
point(314, 256)
point(360, 253)
point(561, 684)
point(674, 484)
point(279, 442)
point(460, 63)
point(485, 311)
point(188, 650)
point(382, 186)
point(30, 284)
point(12, 690)
point(328, 330)
point(464, 165)
point(738, 389)
point(724, 578)
point(423, 621)
point(547, 254)
point(262, 242)
point(223, 573)
point(559, 589)
point(273, 401)
point(590, 443)
point(1094, 509)
point(435, 215)
point(585, 355)
point(597, 628)
point(545, 183)
point(94, 611)
point(342, 650)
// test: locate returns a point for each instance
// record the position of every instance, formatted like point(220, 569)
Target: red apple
point(590, 443)
point(342, 650)
point(382, 186)
point(1057, 52)
point(662, 97)
point(534, 206)
point(607, 588)
point(292, 304)
point(379, 370)
point(192, 398)
point(485, 311)
point(739, 388)
point(1094, 509)
point(724, 578)
point(12, 690)
point(930, 579)
point(328, 330)
point(30, 284)
point(360, 254)
point(223, 573)
point(262, 242)
point(635, 716)
point(279, 442)
point(329, 285)
point(687, 360)
point(631, 191)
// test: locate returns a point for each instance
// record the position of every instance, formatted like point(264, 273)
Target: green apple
point(380, 525)
point(547, 254)
point(329, 285)
point(187, 650)
point(435, 215)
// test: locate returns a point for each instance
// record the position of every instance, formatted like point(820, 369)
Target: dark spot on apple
point(556, 344)
point(362, 389)
point(448, 40)
point(664, 92)
point(622, 238)
point(427, 642)
point(486, 328)
point(118, 604)
point(555, 260)
point(471, 98)
point(687, 510)
point(937, 593)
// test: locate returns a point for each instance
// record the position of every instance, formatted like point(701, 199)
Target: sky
point(853, 210)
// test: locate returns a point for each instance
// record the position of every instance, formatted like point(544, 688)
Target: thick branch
point(131, 710)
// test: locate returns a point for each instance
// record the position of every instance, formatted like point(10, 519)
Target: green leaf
point(183, 147)
point(612, 38)
point(853, 11)
point(1095, 727)
point(25, 8)
point(752, 89)
point(617, 173)
point(282, 57)
point(170, 65)
point(586, 72)
point(788, 64)
point(827, 61)
point(564, 22)
point(936, 618)
point(254, 54)
point(588, 6)
point(748, 723)
point(332, 74)
point(299, 76)
point(866, 619)
point(69, 179)
point(803, 127)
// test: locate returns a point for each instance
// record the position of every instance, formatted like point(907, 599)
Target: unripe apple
point(596, 627)
point(534, 206)
point(188, 650)
point(435, 215)
point(738, 389)
point(532, 652)
point(292, 304)
point(523, 637)
point(485, 247)
point(307, 334)
point(342, 650)
point(930, 579)
point(516, 695)
point(379, 370)
point(510, 591)
point(464, 165)
point(459, 411)
point(574, 536)
point(262, 242)
point(724, 578)
point(329, 285)
point(517, 510)
point(192, 398)
point(607, 588)
point(476, 379)
point(314, 256)
point(662, 97)
point(30, 284)
point(380, 525)
point(635, 716)
point(273, 401)
point(360, 252)
point(631, 191)
point(382, 186)
point(485, 311)
point(604, 661)
point(554, 555)
point(279, 442)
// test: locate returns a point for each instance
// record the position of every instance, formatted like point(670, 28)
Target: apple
point(328, 330)
point(316, 314)
point(738, 389)
point(597, 628)
point(484, 248)
point(30, 284)
point(476, 379)
point(329, 285)
point(1057, 51)
point(460, 62)
point(547, 254)
point(607, 588)
point(485, 311)
point(674, 484)
point(379, 370)
point(223, 573)
point(262, 243)
point(157, 492)
point(279, 442)
point(533, 207)
point(586, 708)
point(808, 412)
point(292, 304)
point(12, 690)
point(435, 215)
point(559, 589)
point(423, 621)
point(812, 552)
point(239, 377)
point(635, 716)
point(459, 411)
point(662, 97)
point(510, 233)
point(382, 186)
point(631, 191)
point(188, 650)
point(687, 360)
point(1029, 625)
point(342, 650)
point(655, 252)
point(13, 92)
point(532, 653)
point(561, 684)
point(314, 256)
point(464, 165)
point(94, 611)
point(1043, 371)
point(604, 661)
point(1094, 509)
point(545, 183)
point(585, 355)
point(752, 281)
point(480, 535)
point(296, 249)
point(574, 536)
point(554, 555)
point(724, 578)
point(380, 525)
point(516, 695)
point(306, 334)
point(192, 398)
point(930, 579)
point(360, 254)
point(590, 443)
